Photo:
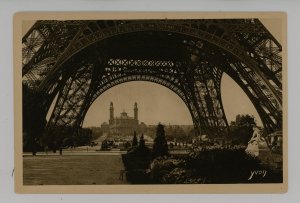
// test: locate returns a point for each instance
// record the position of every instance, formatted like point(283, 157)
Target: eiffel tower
point(74, 62)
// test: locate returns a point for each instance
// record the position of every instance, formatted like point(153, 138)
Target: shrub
point(162, 166)
point(136, 162)
point(222, 165)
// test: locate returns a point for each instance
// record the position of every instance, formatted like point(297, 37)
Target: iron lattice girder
point(217, 32)
point(267, 107)
point(46, 41)
point(90, 37)
point(209, 91)
point(71, 98)
point(111, 78)
point(266, 51)
point(256, 53)
point(257, 96)
point(117, 71)
point(172, 75)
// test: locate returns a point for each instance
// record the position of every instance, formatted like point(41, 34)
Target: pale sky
point(160, 104)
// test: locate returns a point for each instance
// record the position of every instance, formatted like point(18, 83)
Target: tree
point(34, 119)
point(160, 146)
point(242, 129)
point(245, 120)
point(142, 142)
point(126, 145)
point(134, 140)
point(104, 145)
point(82, 137)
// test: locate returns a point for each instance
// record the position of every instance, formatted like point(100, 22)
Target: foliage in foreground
point(222, 165)
point(136, 162)
point(213, 165)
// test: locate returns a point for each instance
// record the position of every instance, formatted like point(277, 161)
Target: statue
point(256, 142)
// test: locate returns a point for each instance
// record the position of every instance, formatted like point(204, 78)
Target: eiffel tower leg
point(71, 98)
point(209, 101)
point(266, 106)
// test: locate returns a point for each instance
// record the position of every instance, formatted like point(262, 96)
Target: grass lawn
point(72, 170)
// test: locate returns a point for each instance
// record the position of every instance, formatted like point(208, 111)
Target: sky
point(159, 104)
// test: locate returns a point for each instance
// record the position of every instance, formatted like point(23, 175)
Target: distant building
point(123, 125)
point(105, 127)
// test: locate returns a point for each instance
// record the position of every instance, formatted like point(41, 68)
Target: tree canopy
point(242, 129)
point(134, 140)
point(160, 146)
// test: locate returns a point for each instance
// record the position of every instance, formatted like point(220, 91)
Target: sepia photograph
point(163, 102)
